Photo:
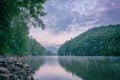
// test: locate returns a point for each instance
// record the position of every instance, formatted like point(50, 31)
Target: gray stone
point(4, 70)
point(12, 68)
point(4, 76)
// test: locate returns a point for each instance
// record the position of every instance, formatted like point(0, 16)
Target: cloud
point(68, 18)
point(48, 38)
point(64, 12)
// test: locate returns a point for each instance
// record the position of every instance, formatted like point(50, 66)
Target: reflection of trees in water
point(93, 69)
point(35, 62)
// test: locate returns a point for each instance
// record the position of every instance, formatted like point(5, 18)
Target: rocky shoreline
point(14, 68)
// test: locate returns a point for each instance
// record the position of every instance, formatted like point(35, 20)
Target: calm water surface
point(75, 68)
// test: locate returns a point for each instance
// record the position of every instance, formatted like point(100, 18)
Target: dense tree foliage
point(15, 16)
point(21, 44)
point(36, 48)
point(20, 41)
point(10, 8)
point(99, 41)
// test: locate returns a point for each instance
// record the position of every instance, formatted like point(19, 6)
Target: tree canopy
point(15, 16)
point(10, 8)
point(99, 41)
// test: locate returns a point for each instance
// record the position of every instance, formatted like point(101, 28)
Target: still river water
point(75, 68)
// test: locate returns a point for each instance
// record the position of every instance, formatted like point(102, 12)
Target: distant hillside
point(53, 49)
point(36, 48)
point(99, 41)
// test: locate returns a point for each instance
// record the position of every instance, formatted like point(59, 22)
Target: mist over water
point(76, 68)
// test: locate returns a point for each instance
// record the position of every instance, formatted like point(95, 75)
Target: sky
point(67, 19)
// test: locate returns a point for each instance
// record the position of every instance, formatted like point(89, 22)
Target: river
point(75, 68)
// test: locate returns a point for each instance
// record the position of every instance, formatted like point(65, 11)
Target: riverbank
point(14, 68)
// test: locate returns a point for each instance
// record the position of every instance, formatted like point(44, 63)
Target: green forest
point(16, 18)
point(99, 41)
point(36, 48)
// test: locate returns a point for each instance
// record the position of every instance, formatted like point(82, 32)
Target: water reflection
point(51, 70)
point(76, 68)
point(93, 68)
point(35, 62)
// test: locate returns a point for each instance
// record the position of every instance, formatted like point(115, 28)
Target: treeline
point(37, 49)
point(20, 43)
point(15, 18)
point(99, 41)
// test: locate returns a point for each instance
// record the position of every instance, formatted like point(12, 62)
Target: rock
point(27, 78)
point(4, 70)
point(14, 77)
point(14, 68)
point(32, 78)
point(4, 76)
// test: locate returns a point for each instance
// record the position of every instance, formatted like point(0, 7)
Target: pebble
point(13, 68)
